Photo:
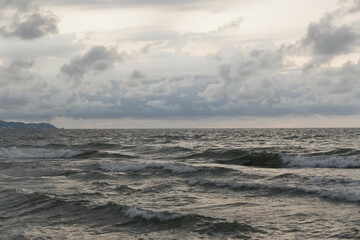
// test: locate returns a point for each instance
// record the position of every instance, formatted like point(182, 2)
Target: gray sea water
point(180, 184)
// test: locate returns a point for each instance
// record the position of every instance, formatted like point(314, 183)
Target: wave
point(112, 155)
point(191, 221)
point(137, 166)
point(325, 161)
point(348, 195)
point(173, 149)
point(257, 159)
point(27, 203)
point(166, 136)
point(339, 151)
point(51, 153)
point(286, 176)
point(320, 180)
point(40, 153)
point(217, 154)
point(351, 194)
point(114, 216)
point(204, 225)
point(100, 145)
point(278, 160)
point(125, 189)
point(336, 158)
point(135, 212)
point(87, 176)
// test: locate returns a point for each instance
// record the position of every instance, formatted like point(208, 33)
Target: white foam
point(322, 161)
point(36, 153)
point(149, 215)
point(136, 166)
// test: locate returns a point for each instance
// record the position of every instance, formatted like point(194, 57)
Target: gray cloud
point(31, 26)
point(96, 59)
point(343, 80)
point(161, 104)
point(136, 74)
point(10, 100)
point(160, 88)
point(21, 64)
point(231, 25)
point(249, 78)
point(17, 71)
point(355, 7)
point(265, 94)
point(21, 88)
point(60, 46)
point(20, 5)
point(27, 21)
point(326, 39)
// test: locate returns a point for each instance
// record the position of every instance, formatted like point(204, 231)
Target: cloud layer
point(148, 70)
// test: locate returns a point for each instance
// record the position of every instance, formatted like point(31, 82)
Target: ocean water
point(180, 184)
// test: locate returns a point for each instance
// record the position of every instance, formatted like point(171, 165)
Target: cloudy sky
point(181, 63)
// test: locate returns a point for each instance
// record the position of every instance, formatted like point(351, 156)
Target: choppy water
point(180, 184)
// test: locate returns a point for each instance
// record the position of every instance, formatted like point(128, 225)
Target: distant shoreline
point(22, 125)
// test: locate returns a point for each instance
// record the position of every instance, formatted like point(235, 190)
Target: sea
point(180, 184)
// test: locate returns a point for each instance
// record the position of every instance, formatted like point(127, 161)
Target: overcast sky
point(181, 63)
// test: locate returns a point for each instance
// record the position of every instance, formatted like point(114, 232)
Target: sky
point(180, 63)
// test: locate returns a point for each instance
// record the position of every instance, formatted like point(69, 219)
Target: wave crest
point(321, 161)
point(278, 160)
point(135, 212)
point(137, 166)
point(39, 153)
point(217, 154)
point(257, 160)
point(351, 194)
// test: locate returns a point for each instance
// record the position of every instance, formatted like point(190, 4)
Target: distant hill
point(21, 125)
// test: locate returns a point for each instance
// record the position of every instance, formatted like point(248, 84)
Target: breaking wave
point(277, 160)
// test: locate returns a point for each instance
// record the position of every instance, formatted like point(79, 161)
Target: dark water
point(180, 184)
